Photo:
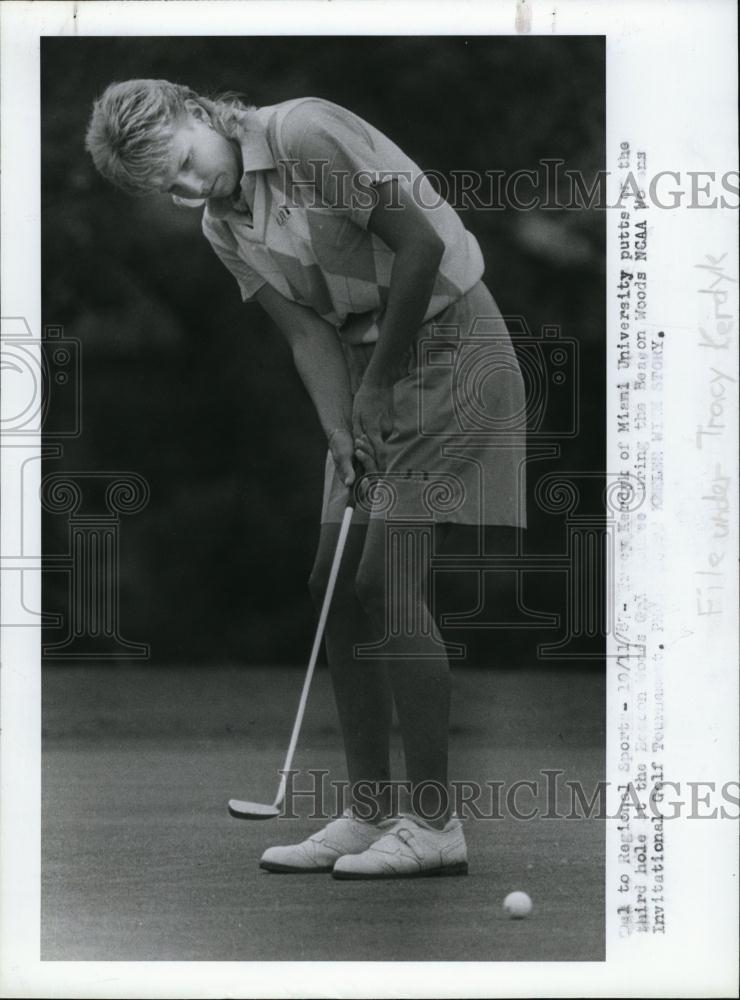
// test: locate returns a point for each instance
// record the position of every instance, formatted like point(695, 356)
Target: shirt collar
point(251, 134)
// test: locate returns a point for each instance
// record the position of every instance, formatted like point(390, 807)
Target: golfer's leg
point(361, 689)
point(421, 686)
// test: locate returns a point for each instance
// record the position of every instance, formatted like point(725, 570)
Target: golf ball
point(517, 905)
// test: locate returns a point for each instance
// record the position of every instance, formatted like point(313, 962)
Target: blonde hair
point(132, 125)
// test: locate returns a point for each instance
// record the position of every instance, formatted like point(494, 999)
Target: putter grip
point(352, 492)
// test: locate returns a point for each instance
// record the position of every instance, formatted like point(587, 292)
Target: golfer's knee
point(370, 590)
point(343, 597)
point(318, 580)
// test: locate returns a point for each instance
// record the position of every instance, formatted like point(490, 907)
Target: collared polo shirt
point(313, 173)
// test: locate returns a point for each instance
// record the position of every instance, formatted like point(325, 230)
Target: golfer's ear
point(197, 110)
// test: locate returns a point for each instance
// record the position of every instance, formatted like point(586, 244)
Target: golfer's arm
point(318, 358)
point(418, 251)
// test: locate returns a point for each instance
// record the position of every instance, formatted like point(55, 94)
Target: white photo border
point(672, 91)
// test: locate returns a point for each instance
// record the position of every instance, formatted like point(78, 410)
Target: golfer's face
point(203, 163)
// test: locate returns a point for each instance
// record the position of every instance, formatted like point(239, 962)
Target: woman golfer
point(376, 284)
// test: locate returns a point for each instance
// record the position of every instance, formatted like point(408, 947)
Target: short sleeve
point(338, 153)
point(224, 246)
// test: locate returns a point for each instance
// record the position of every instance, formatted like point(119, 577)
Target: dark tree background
point(195, 391)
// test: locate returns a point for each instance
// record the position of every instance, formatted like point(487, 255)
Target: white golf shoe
point(409, 850)
point(346, 835)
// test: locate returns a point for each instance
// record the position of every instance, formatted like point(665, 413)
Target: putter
point(238, 808)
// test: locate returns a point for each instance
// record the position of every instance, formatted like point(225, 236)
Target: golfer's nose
point(190, 184)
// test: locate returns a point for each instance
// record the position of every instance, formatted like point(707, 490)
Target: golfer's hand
point(342, 449)
point(365, 454)
point(372, 418)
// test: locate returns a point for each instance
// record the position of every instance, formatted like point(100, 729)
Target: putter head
point(251, 810)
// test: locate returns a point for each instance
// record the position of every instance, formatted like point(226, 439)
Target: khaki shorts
point(457, 450)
